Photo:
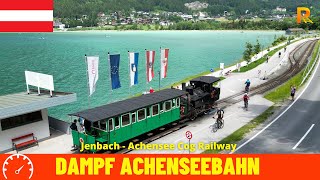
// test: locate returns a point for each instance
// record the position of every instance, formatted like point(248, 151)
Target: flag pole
point(88, 86)
point(159, 72)
point(146, 70)
point(129, 74)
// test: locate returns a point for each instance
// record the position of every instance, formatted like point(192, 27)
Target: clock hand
point(18, 171)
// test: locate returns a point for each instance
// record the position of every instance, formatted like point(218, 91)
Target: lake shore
point(55, 31)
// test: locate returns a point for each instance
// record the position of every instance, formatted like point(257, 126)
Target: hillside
point(76, 8)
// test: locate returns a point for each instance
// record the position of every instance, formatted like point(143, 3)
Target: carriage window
point(133, 117)
point(116, 122)
point(141, 114)
point(178, 102)
point(168, 105)
point(173, 103)
point(110, 125)
point(155, 110)
point(103, 124)
point(96, 124)
point(148, 112)
point(125, 120)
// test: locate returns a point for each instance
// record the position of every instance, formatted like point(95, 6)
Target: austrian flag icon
point(26, 15)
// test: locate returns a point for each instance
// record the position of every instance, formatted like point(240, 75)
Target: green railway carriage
point(121, 121)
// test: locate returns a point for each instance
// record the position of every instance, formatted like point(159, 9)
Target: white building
point(62, 26)
point(280, 9)
point(202, 16)
point(186, 17)
point(23, 113)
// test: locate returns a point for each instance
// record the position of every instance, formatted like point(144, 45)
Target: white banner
point(39, 80)
point(221, 65)
point(93, 73)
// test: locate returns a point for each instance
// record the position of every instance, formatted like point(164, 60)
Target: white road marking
point(304, 136)
point(315, 71)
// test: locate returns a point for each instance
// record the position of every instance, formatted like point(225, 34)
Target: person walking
point(279, 54)
point(246, 101)
point(293, 92)
point(267, 58)
point(247, 83)
point(73, 127)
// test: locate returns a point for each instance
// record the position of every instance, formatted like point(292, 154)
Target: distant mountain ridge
point(76, 8)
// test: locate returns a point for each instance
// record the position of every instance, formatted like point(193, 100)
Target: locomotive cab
point(205, 89)
point(202, 94)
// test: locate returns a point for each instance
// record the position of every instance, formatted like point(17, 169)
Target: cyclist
point(246, 100)
point(247, 83)
point(220, 114)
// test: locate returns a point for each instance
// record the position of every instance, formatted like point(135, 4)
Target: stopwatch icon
point(17, 166)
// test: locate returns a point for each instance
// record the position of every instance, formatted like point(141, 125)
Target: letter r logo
point(303, 13)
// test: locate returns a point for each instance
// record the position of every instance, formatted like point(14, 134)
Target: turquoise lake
point(62, 55)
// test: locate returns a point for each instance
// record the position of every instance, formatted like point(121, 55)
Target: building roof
point(128, 105)
point(22, 103)
point(206, 79)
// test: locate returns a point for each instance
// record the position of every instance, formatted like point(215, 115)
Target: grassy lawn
point(283, 92)
point(240, 133)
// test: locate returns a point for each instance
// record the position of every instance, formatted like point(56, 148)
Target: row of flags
point(114, 63)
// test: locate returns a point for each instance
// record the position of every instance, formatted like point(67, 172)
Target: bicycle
point(246, 89)
point(219, 124)
point(246, 105)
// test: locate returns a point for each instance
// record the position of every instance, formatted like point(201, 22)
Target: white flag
point(93, 73)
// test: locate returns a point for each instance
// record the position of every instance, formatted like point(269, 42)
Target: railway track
point(297, 61)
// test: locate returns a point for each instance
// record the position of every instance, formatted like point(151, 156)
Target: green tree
point(157, 27)
point(257, 47)
point(248, 52)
